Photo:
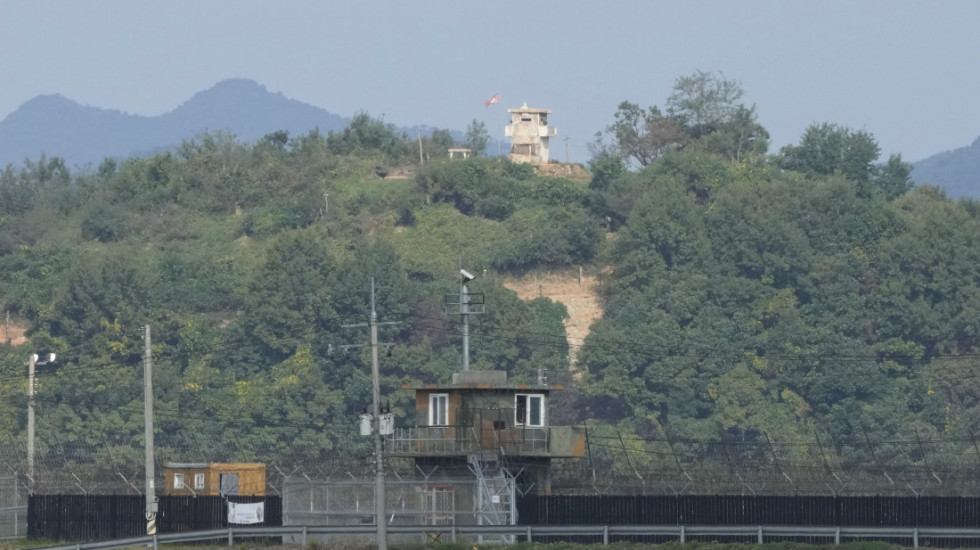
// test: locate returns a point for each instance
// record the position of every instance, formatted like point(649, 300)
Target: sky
point(905, 71)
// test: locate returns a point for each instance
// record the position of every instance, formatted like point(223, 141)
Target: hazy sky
point(907, 71)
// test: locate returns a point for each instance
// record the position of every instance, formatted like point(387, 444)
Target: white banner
point(239, 512)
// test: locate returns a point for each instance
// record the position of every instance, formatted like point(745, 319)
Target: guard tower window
point(529, 410)
point(178, 481)
point(439, 409)
point(198, 481)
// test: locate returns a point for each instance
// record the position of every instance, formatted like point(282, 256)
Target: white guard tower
point(529, 134)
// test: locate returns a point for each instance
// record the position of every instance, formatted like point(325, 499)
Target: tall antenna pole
point(379, 478)
point(151, 499)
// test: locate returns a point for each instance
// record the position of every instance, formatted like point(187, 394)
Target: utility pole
point(421, 161)
point(151, 499)
point(379, 475)
point(376, 425)
point(31, 365)
point(464, 311)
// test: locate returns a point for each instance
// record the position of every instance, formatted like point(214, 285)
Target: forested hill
point(762, 296)
point(957, 171)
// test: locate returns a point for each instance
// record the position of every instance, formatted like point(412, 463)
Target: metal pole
point(32, 363)
point(464, 309)
point(151, 500)
point(16, 519)
point(379, 480)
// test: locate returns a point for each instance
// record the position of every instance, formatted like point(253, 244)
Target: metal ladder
point(495, 495)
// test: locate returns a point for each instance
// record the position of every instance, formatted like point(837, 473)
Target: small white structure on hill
point(529, 134)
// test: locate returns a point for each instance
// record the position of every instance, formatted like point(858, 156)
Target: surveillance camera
point(467, 276)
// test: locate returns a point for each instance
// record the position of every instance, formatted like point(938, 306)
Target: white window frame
point(525, 400)
point(438, 416)
point(198, 481)
point(178, 481)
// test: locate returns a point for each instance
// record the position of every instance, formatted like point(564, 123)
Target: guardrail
point(434, 533)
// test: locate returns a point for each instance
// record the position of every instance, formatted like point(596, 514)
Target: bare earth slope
point(581, 300)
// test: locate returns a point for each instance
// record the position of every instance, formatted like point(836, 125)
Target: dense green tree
point(437, 145)
point(366, 135)
point(34, 184)
point(548, 236)
point(605, 168)
point(828, 148)
point(287, 302)
point(893, 178)
point(642, 135)
point(477, 137)
point(739, 137)
point(704, 101)
point(667, 225)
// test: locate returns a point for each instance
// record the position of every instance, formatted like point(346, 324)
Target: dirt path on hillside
point(581, 301)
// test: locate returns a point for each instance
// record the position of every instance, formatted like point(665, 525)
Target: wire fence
point(758, 464)
point(116, 466)
point(614, 463)
point(13, 508)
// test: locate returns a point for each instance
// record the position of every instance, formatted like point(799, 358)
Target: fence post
point(605, 535)
point(682, 535)
point(837, 537)
point(529, 533)
point(915, 537)
point(452, 534)
point(760, 535)
point(231, 537)
point(155, 545)
point(304, 536)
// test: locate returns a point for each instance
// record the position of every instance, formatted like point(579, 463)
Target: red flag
point(494, 99)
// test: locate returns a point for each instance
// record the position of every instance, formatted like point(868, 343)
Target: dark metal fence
point(750, 510)
point(100, 517)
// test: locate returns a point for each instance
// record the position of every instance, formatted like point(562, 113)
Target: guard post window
point(198, 481)
point(178, 481)
point(439, 409)
point(529, 410)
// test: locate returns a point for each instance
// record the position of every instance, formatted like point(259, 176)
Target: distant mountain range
point(956, 171)
point(82, 135)
point(57, 126)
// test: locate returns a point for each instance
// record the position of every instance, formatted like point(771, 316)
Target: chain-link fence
point(351, 502)
point(13, 508)
point(615, 463)
point(758, 464)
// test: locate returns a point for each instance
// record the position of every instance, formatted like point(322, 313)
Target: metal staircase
point(495, 494)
